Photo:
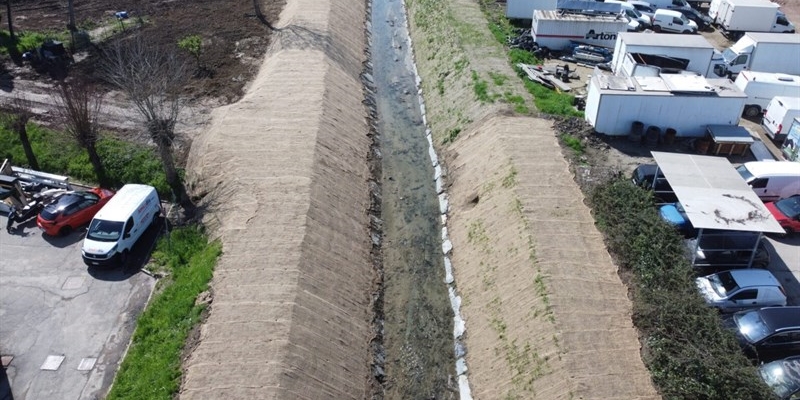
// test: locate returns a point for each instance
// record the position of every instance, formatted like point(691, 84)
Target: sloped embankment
point(547, 315)
point(285, 182)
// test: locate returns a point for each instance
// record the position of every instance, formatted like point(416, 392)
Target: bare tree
point(152, 77)
point(20, 112)
point(77, 107)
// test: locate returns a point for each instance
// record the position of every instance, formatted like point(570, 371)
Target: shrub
point(124, 162)
point(689, 354)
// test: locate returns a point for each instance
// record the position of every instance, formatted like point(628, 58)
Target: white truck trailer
point(682, 102)
point(558, 30)
point(735, 17)
point(764, 52)
point(647, 53)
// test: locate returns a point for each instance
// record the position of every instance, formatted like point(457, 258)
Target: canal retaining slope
point(284, 178)
point(546, 314)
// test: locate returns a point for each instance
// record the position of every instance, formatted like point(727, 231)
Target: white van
point(778, 116)
point(672, 21)
point(119, 224)
point(645, 22)
point(772, 180)
point(761, 87)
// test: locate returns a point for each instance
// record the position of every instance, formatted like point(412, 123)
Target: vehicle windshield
point(782, 376)
point(53, 210)
point(751, 326)
point(634, 12)
point(723, 283)
point(104, 231)
point(729, 55)
point(789, 207)
point(684, 19)
point(742, 170)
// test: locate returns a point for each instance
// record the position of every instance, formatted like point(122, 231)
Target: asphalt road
point(63, 327)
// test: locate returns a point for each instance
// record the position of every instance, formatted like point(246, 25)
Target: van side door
point(759, 186)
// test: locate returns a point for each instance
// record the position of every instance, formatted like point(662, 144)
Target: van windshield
point(104, 231)
point(746, 175)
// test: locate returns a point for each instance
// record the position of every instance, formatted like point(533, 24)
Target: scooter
point(20, 216)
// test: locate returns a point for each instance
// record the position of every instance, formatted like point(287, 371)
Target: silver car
point(740, 289)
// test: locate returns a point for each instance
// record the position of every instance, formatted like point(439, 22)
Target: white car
point(741, 289)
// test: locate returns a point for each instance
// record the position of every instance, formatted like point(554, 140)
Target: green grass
point(549, 101)
point(481, 88)
point(26, 40)
point(573, 143)
point(124, 162)
point(152, 366)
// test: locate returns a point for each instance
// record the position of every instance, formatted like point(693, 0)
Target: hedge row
point(689, 354)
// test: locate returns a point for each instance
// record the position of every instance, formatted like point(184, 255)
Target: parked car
point(740, 289)
point(703, 21)
point(672, 21)
point(767, 334)
point(643, 7)
point(645, 174)
point(787, 213)
point(72, 210)
point(718, 250)
point(783, 377)
point(674, 214)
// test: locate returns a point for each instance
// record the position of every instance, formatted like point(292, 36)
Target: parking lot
point(63, 327)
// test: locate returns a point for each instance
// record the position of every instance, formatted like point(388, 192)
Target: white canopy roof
point(714, 195)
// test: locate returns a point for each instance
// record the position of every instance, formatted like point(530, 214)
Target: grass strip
point(152, 366)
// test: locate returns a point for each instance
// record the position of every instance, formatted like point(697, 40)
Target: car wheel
point(657, 28)
point(65, 230)
point(124, 259)
point(752, 111)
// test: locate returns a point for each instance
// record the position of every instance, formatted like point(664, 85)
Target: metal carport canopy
point(714, 195)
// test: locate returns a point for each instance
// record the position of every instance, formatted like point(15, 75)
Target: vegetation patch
point(125, 162)
point(688, 352)
point(573, 143)
point(152, 366)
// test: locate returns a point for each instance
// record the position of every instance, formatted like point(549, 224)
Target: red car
point(72, 210)
point(787, 212)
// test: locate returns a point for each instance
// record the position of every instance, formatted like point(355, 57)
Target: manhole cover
point(52, 363)
point(87, 364)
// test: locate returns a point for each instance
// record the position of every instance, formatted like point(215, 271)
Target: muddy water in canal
point(418, 335)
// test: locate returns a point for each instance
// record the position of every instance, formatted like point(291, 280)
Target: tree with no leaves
point(152, 77)
point(19, 110)
point(78, 106)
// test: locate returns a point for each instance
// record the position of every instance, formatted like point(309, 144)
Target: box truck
point(778, 116)
point(759, 51)
point(638, 51)
point(558, 30)
point(735, 17)
point(761, 87)
point(682, 102)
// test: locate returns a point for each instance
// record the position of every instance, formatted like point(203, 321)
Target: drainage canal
point(419, 351)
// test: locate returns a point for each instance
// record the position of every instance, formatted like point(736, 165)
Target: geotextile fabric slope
point(284, 183)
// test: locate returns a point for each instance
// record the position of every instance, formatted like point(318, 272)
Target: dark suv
point(645, 174)
point(769, 333)
point(720, 250)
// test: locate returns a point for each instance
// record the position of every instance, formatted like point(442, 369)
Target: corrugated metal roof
point(714, 195)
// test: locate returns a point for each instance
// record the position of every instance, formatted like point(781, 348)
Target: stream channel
point(418, 328)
